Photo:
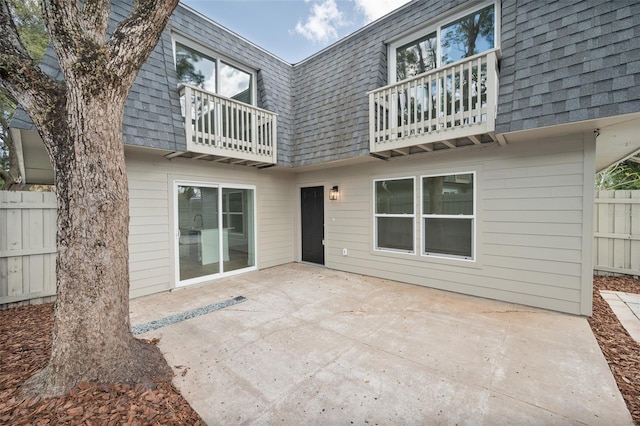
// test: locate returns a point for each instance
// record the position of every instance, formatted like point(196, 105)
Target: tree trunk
point(80, 122)
point(91, 337)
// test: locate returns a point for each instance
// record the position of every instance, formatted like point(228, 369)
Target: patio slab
point(314, 345)
point(626, 306)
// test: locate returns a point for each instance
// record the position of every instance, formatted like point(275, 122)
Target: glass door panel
point(238, 235)
point(198, 245)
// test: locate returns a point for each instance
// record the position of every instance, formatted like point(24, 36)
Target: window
point(394, 214)
point(233, 208)
point(416, 57)
point(468, 36)
point(448, 215)
point(213, 74)
point(460, 37)
point(215, 230)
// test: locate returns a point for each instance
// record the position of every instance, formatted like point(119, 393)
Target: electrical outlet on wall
point(344, 252)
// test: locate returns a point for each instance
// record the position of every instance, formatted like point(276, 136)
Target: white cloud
point(375, 9)
point(322, 24)
point(232, 81)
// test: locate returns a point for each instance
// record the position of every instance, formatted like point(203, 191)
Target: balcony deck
point(224, 130)
point(446, 108)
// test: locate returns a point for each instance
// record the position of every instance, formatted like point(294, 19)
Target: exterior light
point(333, 193)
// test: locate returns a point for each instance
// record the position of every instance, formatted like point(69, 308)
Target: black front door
point(312, 208)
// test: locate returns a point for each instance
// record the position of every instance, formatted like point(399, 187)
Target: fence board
point(617, 232)
point(635, 230)
point(27, 247)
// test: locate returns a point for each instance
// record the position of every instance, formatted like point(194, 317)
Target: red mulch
point(25, 346)
point(620, 350)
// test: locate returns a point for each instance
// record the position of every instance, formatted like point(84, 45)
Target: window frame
point(218, 58)
point(227, 213)
point(174, 208)
point(436, 26)
point(474, 219)
point(400, 215)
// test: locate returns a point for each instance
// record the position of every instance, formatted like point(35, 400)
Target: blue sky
point(294, 29)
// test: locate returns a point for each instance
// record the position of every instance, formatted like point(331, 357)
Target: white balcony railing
point(228, 129)
point(446, 105)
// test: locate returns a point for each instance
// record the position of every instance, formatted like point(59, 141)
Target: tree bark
point(80, 123)
point(92, 338)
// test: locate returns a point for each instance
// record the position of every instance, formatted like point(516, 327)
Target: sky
point(294, 29)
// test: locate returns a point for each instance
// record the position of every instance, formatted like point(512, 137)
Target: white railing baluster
point(420, 101)
point(414, 97)
point(442, 98)
point(430, 103)
point(470, 89)
point(460, 97)
point(198, 120)
point(185, 96)
point(452, 96)
point(210, 112)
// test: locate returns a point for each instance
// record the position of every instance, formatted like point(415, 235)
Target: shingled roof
point(561, 62)
point(565, 62)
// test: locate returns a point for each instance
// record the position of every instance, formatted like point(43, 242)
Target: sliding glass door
point(215, 230)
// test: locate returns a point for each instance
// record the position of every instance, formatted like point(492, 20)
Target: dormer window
point(205, 70)
point(464, 35)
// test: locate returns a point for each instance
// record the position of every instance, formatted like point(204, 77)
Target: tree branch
point(10, 183)
point(95, 18)
point(22, 78)
point(73, 28)
point(79, 48)
point(138, 33)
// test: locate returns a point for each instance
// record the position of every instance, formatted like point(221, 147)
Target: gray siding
point(564, 62)
point(531, 238)
point(151, 255)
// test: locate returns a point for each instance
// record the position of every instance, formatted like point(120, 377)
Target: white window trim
point(405, 215)
point(217, 57)
point(229, 213)
point(437, 27)
point(176, 230)
point(473, 217)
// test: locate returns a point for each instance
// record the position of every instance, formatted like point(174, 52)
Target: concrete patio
point(315, 346)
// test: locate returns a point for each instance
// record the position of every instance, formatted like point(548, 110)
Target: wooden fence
point(616, 247)
point(27, 248)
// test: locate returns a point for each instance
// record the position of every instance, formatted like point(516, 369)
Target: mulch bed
point(620, 350)
point(25, 345)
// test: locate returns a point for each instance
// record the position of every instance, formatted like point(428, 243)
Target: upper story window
point(463, 35)
point(213, 73)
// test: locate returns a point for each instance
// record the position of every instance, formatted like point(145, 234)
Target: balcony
point(446, 108)
point(224, 130)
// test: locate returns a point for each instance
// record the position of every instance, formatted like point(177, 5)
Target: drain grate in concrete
point(172, 319)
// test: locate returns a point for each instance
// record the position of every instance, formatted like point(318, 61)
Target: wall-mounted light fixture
point(333, 193)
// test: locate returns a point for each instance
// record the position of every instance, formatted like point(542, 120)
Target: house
point(450, 144)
